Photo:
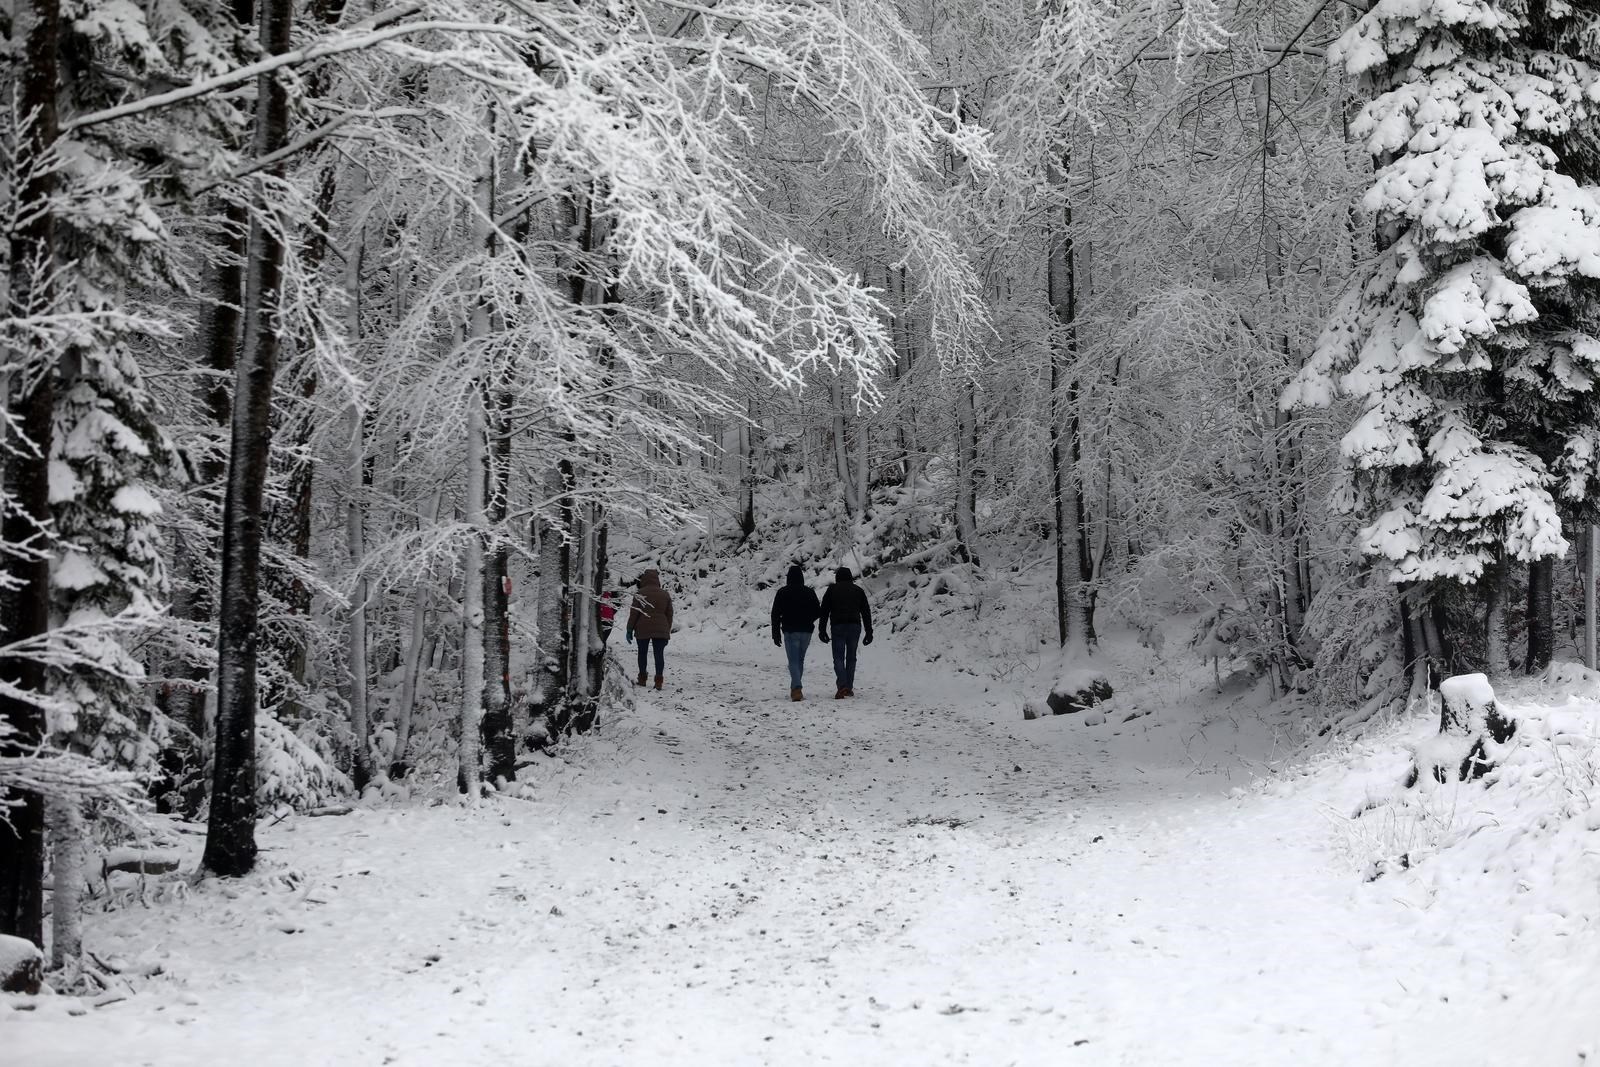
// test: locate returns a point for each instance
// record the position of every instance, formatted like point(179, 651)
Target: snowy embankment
point(912, 876)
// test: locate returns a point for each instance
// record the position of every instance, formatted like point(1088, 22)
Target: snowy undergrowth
point(1525, 839)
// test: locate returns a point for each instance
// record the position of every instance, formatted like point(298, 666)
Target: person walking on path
point(845, 609)
point(794, 613)
point(650, 619)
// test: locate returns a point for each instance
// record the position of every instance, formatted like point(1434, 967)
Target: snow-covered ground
point(916, 875)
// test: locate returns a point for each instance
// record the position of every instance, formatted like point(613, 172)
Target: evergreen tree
point(1472, 343)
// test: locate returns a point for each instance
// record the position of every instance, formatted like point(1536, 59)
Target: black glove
point(822, 635)
point(867, 640)
point(777, 640)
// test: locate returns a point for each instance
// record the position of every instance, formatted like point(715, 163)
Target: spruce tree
point(1472, 342)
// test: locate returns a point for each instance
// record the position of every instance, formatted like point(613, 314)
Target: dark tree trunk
point(222, 329)
point(1074, 566)
point(597, 654)
point(967, 474)
point(1541, 614)
point(230, 837)
point(1080, 522)
point(1422, 641)
point(1058, 500)
point(25, 608)
point(499, 736)
point(294, 528)
point(25, 613)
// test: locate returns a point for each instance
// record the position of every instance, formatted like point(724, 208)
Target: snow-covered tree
point(1471, 345)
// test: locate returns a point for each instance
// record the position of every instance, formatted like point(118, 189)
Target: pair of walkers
point(843, 608)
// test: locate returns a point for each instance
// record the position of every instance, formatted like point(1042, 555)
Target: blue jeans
point(845, 637)
point(795, 643)
point(660, 644)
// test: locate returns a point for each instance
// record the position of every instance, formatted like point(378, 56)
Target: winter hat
point(843, 575)
point(797, 575)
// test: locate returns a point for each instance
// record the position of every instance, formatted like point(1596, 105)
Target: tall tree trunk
point(356, 535)
point(597, 656)
point(1497, 654)
point(1591, 564)
point(230, 837)
point(549, 673)
point(863, 477)
point(1422, 644)
point(566, 473)
point(1074, 568)
point(220, 329)
point(1083, 590)
point(302, 473)
point(1541, 613)
point(400, 766)
point(220, 332)
point(841, 450)
point(1286, 481)
point(499, 733)
point(472, 600)
point(68, 843)
point(25, 606)
point(900, 332)
point(583, 636)
point(747, 472)
point(967, 474)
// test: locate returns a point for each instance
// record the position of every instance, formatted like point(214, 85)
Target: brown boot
point(841, 693)
point(658, 681)
point(796, 694)
point(640, 680)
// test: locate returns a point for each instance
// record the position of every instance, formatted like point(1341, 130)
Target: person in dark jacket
point(845, 609)
point(651, 619)
point(794, 613)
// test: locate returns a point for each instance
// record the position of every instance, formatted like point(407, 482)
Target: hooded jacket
point(794, 608)
point(651, 614)
point(845, 604)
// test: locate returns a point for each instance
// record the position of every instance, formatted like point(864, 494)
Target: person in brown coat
point(650, 619)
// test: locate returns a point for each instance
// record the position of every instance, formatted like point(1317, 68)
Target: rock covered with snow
point(21, 965)
point(1079, 689)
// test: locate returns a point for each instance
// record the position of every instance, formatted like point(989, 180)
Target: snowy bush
point(289, 770)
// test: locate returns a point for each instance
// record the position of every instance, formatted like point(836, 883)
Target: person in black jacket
point(845, 608)
point(794, 611)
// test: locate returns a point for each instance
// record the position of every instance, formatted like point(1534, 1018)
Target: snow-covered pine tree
point(1472, 342)
point(90, 273)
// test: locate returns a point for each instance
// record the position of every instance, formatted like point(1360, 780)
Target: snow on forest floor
point(913, 876)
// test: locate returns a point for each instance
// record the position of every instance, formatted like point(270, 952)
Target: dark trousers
point(845, 638)
point(795, 643)
point(660, 645)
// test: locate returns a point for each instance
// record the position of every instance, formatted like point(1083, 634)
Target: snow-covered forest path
point(722, 876)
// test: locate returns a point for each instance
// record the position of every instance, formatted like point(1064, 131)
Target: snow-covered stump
point(1472, 732)
point(1074, 691)
point(21, 965)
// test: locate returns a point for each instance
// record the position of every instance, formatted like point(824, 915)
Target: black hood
point(797, 575)
point(843, 575)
